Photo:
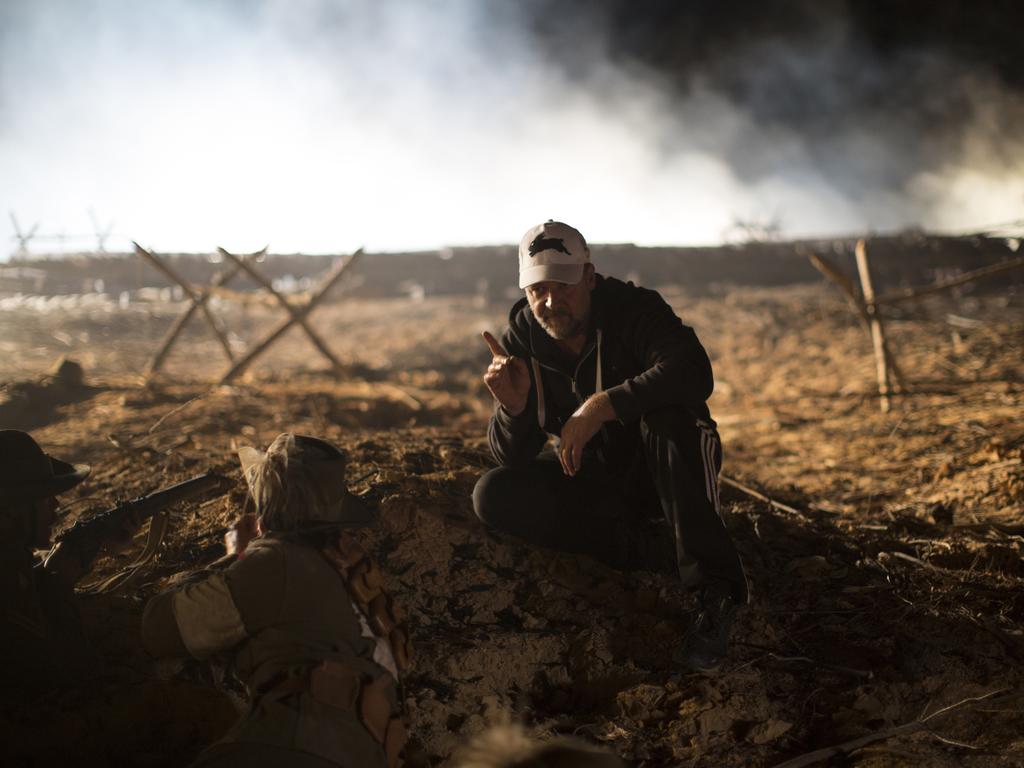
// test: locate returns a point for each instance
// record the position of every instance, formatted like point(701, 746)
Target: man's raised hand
point(507, 377)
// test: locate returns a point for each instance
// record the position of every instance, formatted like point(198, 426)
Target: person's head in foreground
point(30, 481)
point(298, 485)
point(509, 746)
point(556, 273)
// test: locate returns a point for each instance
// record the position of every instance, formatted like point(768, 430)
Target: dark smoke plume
point(882, 97)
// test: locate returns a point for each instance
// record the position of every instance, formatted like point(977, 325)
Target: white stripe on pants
point(709, 442)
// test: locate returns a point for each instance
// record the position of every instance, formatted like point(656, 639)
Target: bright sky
point(321, 126)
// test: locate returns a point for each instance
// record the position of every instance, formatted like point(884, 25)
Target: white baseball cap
point(552, 251)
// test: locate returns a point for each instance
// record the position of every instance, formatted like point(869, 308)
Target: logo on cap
point(541, 243)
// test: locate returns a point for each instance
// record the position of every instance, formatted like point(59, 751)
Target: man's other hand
point(241, 532)
point(507, 377)
point(581, 428)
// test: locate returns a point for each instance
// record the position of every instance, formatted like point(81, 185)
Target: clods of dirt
point(885, 585)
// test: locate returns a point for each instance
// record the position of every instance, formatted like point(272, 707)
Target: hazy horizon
point(322, 126)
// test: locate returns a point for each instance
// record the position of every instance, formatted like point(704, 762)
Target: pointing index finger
point(496, 349)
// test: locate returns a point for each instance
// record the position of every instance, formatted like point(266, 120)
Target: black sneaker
point(706, 641)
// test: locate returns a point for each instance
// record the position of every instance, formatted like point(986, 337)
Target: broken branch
point(818, 755)
point(328, 281)
point(293, 313)
point(760, 496)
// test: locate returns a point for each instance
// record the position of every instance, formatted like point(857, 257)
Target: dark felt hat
point(26, 473)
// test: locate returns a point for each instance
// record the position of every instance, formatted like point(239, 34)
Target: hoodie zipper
point(541, 409)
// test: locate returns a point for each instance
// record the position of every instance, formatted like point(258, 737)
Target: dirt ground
point(888, 587)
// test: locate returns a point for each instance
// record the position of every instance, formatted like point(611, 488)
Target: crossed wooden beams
point(867, 306)
point(198, 297)
point(296, 314)
point(197, 301)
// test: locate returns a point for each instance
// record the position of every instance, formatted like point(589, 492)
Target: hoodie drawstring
point(541, 414)
point(541, 410)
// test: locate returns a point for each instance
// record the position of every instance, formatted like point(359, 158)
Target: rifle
point(110, 524)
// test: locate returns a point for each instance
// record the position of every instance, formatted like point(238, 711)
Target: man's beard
point(561, 326)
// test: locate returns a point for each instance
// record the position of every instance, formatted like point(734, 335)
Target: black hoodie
point(649, 360)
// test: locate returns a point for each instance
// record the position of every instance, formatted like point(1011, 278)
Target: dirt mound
point(30, 404)
point(890, 589)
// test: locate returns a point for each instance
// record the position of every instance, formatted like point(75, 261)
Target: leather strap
point(365, 582)
point(158, 528)
point(394, 742)
point(340, 687)
point(375, 708)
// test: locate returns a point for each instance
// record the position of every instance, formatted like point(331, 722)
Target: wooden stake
point(845, 285)
point(849, 290)
point(295, 315)
point(875, 321)
point(191, 293)
point(220, 279)
point(326, 284)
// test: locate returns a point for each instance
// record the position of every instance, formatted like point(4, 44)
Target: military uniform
point(40, 628)
point(309, 630)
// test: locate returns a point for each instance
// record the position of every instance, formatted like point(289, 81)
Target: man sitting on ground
point(609, 371)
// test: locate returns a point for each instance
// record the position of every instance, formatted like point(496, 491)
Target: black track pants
point(603, 514)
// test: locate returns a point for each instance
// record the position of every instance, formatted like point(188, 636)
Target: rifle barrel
point(183, 491)
point(147, 506)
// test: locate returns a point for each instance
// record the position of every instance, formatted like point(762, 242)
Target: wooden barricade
point(297, 314)
point(197, 301)
point(868, 308)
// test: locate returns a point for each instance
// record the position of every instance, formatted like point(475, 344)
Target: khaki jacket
point(278, 611)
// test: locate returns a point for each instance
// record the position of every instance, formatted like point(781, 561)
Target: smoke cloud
point(320, 125)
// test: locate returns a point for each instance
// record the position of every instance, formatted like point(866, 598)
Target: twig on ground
point(810, 758)
point(927, 706)
point(798, 659)
point(910, 559)
point(173, 411)
point(761, 497)
point(963, 322)
point(953, 742)
point(358, 480)
point(835, 667)
point(403, 395)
